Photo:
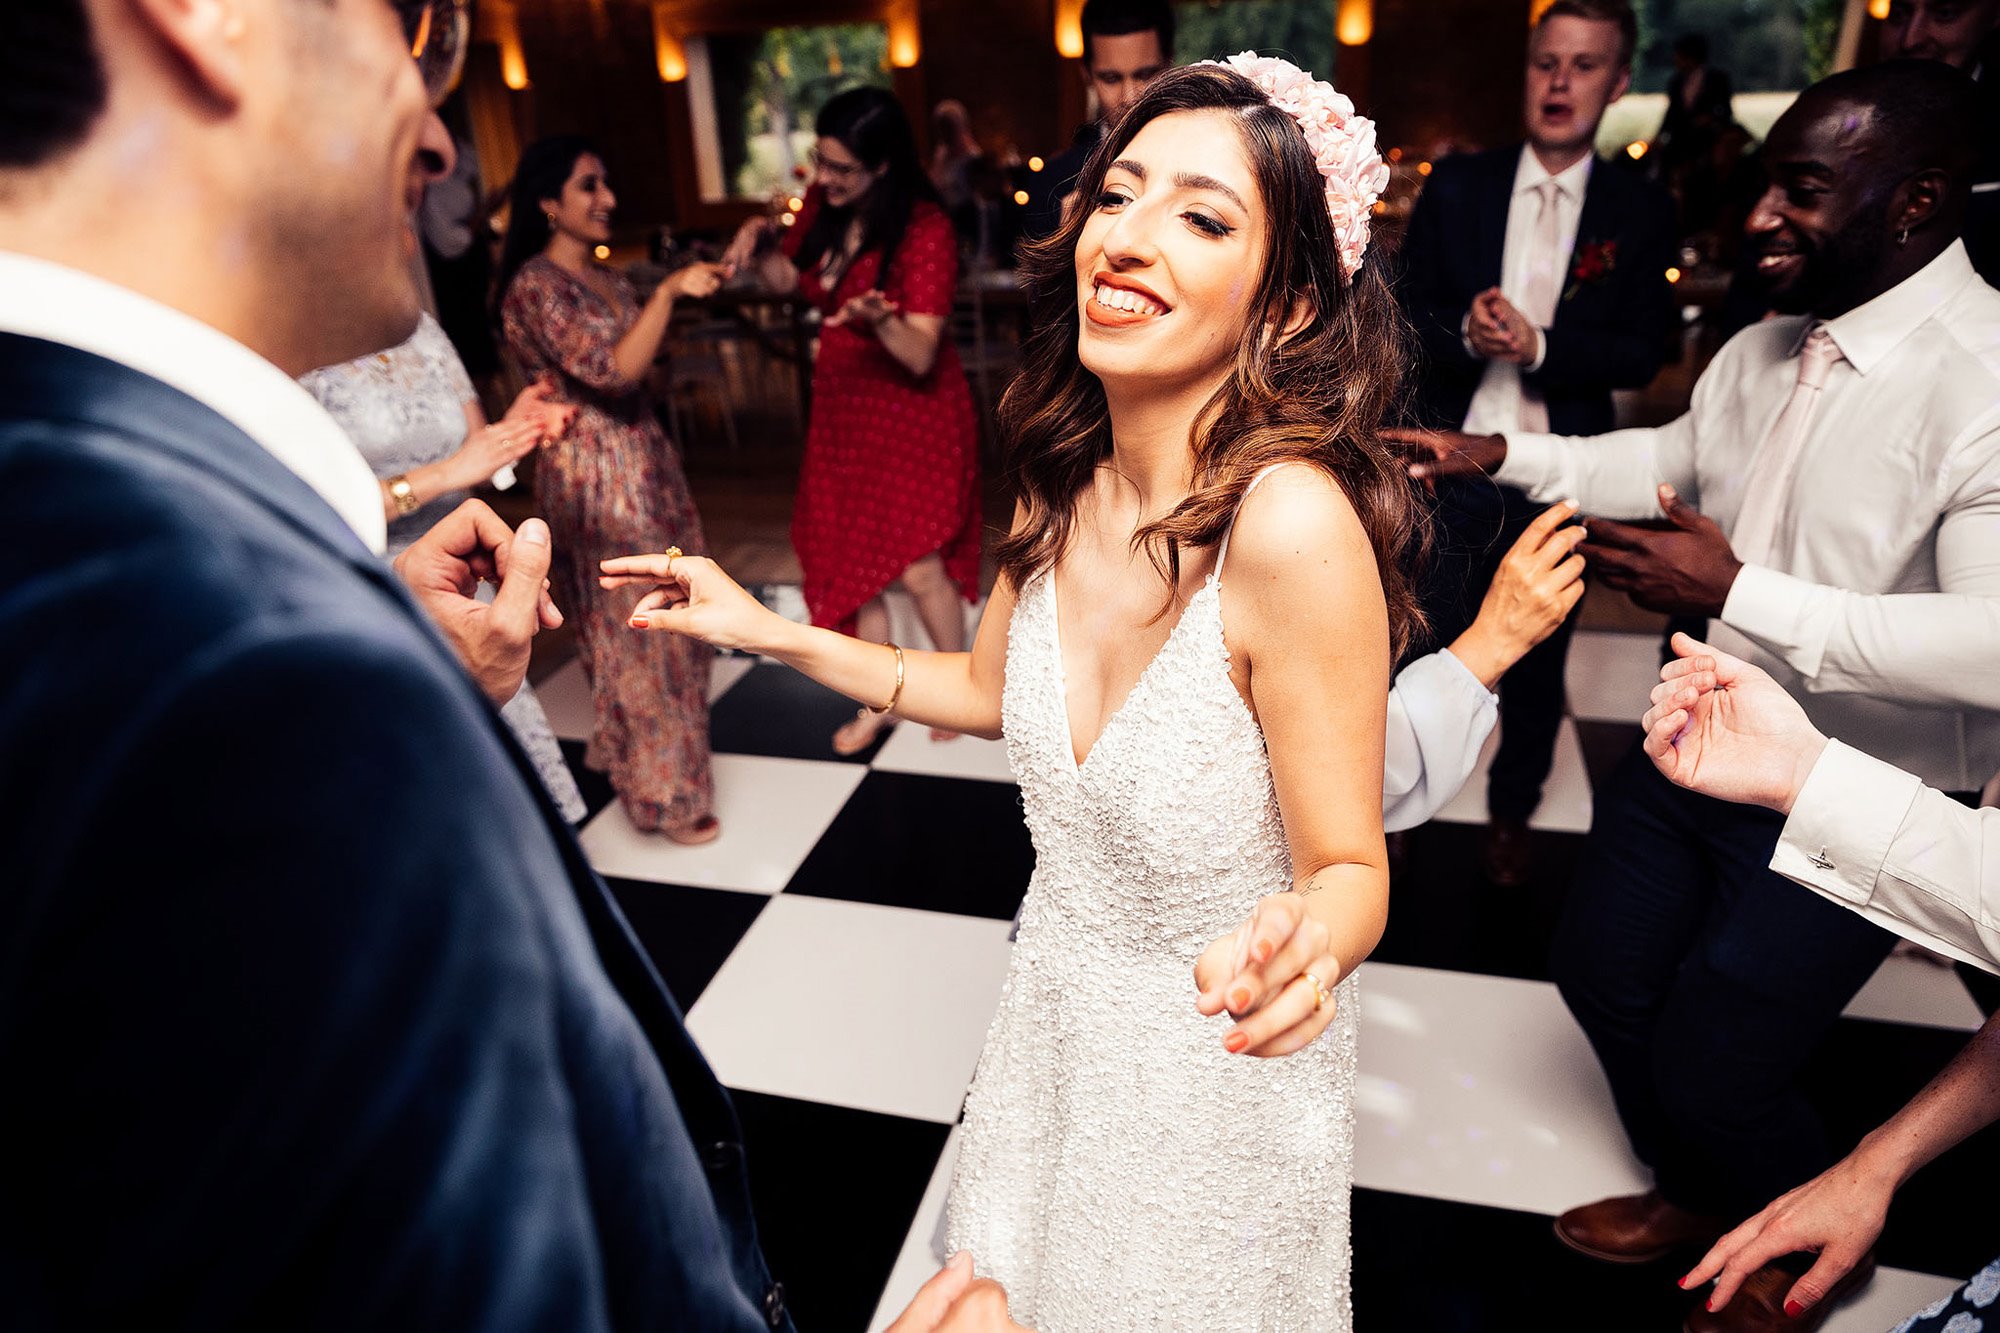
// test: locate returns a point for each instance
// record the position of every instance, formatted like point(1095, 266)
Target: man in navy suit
point(1536, 278)
point(313, 1015)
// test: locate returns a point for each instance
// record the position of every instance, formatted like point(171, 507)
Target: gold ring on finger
point(672, 553)
point(1320, 993)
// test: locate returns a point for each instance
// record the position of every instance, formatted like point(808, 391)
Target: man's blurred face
point(1574, 72)
point(1947, 30)
point(343, 141)
point(1119, 68)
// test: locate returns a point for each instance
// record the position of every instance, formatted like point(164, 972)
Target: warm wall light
point(602, 252)
point(1036, 164)
point(1673, 275)
point(1535, 9)
point(1021, 198)
point(905, 49)
point(668, 53)
point(1069, 28)
point(1878, 9)
point(1355, 23)
point(500, 23)
point(1636, 149)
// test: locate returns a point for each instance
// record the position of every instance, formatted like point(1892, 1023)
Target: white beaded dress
point(1118, 1169)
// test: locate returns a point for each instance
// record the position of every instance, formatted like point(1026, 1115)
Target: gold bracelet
point(896, 694)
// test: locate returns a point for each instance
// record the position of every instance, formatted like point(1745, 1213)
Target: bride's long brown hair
point(1317, 397)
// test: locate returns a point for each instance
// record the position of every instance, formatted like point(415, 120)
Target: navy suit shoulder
point(315, 1017)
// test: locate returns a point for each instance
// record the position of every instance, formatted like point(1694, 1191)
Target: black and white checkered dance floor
point(840, 948)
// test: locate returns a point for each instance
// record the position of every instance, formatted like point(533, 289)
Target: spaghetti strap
point(1222, 554)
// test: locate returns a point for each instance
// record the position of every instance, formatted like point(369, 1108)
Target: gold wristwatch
point(402, 494)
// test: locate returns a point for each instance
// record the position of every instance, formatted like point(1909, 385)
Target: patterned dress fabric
point(613, 485)
point(405, 408)
point(1118, 1170)
point(891, 470)
point(1973, 1308)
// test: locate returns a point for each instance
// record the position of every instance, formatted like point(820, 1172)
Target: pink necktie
point(1767, 484)
point(1539, 292)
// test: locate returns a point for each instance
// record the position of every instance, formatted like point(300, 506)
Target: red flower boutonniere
point(1592, 265)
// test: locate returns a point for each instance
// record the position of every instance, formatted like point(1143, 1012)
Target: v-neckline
point(1062, 669)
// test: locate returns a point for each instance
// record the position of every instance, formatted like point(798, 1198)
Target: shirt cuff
point(1541, 352)
point(1454, 674)
point(1531, 463)
point(1465, 336)
point(1843, 821)
point(1774, 609)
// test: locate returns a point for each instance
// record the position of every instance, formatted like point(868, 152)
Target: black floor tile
point(1444, 912)
point(1440, 1267)
point(835, 1192)
point(688, 932)
point(778, 712)
point(595, 786)
point(937, 844)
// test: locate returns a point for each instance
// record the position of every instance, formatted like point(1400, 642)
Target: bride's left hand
point(1257, 973)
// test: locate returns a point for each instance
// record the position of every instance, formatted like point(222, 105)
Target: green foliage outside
point(1299, 30)
point(768, 88)
point(1766, 45)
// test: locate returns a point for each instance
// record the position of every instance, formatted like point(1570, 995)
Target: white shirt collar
point(1871, 331)
point(1572, 180)
point(39, 299)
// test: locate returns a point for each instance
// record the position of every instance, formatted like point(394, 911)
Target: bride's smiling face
point(1170, 258)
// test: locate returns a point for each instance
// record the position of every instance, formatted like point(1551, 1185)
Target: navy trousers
point(1704, 981)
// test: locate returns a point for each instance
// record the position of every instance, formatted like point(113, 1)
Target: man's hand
point(1721, 727)
point(443, 570)
point(954, 1301)
point(1448, 453)
point(1498, 330)
point(1684, 569)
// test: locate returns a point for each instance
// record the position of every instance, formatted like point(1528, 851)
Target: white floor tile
point(1611, 675)
point(1891, 1297)
point(907, 627)
point(877, 1008)
point(1916, 990)
point(772, 812)
point(918, 1262)
point(565, 695)
point(1483, 1090)
point(1565, 806)
point(910, 749)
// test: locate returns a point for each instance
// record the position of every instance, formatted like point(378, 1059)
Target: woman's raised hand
point(493, 447)
point(748, 240)
point(691, 595)
point(866, 311)
point(1539, 581)
point(532, 404)
point(1273, 975)
point(696, 281)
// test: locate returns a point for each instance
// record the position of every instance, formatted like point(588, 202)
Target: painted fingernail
point(638, 622)
point(1793, 1309)
point(1263, 950)
point(1239, 998)
point(1235, 1042)
point(1710, 1306)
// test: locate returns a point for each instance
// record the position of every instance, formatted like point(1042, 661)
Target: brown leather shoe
point(1508, 855)
point(1635, 1229)
point(1759, 1304)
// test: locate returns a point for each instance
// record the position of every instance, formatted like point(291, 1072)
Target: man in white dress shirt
point(1536, 280)
point(1846, 468)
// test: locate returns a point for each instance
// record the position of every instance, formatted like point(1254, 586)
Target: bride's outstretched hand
point(690, 595)
point(1273, 975)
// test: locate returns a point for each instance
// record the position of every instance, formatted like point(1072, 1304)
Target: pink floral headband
point(1342, 144)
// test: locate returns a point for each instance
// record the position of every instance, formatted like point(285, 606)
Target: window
point(754, 97)
point(1299, 30)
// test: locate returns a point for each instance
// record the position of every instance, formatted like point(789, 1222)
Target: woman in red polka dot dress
point(890, 487)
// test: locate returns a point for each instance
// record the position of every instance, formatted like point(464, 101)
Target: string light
point(1036, 164)
point(1636, 149)
point(1673, 275)
point(1021, 198)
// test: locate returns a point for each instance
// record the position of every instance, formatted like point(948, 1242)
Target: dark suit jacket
point(312, 1014)
point(1611, 327)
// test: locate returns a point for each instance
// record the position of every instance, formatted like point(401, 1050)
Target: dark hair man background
point(1126, 44)
point(1961, 33)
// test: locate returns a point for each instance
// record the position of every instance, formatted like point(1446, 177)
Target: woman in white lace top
point(414, 415)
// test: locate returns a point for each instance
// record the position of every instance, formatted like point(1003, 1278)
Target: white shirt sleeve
point(1940, 649)
point(1616, 475)
point(1874, 839)
point(1439, 719)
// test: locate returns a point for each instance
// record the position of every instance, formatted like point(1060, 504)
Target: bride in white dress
point(1188, 651)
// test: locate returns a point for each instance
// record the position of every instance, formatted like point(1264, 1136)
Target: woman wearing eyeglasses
point(889, 491)
point(612, 479)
